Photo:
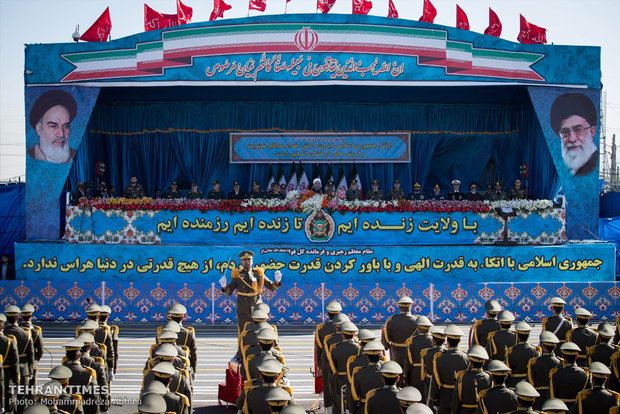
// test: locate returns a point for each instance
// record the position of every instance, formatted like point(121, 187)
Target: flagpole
point(285, 6)
point(249, 7)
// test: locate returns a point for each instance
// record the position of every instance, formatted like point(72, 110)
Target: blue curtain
point(189, 141)
point(12, 216)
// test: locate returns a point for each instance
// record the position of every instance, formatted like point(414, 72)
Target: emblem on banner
point(319, 227)
point(306, 39)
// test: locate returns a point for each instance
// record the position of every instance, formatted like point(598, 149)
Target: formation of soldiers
point(572, 369)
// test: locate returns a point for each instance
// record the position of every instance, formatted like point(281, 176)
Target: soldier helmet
point(605, 330)
point(259, 326)
point(270, 366)
point(259, 315)
point(246, 254)
point(2, 318)
point(88, 325)
point(523, 327)
point(92, 309)
point(152, 404)
point(27, 309)
point(334, 307)
point(438, 332)
point(348, 328)
point(373, 347)
point(598, 369)
point(391, 369)
point(105, 309)
point(277, 396)
point(526, 391)
point(266, 335)
point(548, 337)
point(554, 404)
point(419, 408)
point(556, 301)
point(171, 326)
point(417, 185)
point(176, 310)
point(582, 313)
point(424, 321)
point(11, 310)
point(154, 387)
point(60, 373)
point(409, 394)
point(405, 301)
point(492, 306)
point(340, 318)
point(496, 366)
point(163, 369)
point(366, 335)
point(37, 409)
point(86, 337)
point(263, 306)
point(166, 350)
point(570, 348)
point(293, 409)
point(51, 389)
point(74, 345)
point(477, 352)
point(505, 316)
point(167, 336)
point(453, 331)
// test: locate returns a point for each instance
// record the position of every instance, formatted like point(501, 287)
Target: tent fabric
point(12, 216)
point(189, 141)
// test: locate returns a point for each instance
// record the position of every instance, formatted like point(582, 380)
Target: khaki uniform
point(37, 342)
point(566, 382)
point(134, 191)
point(383, 400)
point(412, 370)
point(364, 380)
point(10, 368)
point(584, 337)
point(83, 376)
point(25, 349)
point(596, 400)
point(445, 366)
point(498, 342)
point(538, 375)
point(498, 399)
point(469, 384)
point(517, 358)
point(398, 328)
point(338, 357)
point(481, 330)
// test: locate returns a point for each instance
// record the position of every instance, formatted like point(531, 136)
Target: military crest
point(319, 227)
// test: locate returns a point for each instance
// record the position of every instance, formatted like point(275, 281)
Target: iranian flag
point(342, 181)
point(304, 184)
point(292, 181)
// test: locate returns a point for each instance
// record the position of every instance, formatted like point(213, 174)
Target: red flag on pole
point(154, 20)
point(530, 33)
point(219, 7)
point(429, 13)
point(495, 26)
point(324, 6)
point(361, 6)
point(461, 19)
point(259, 5)
point(100, 30)
point(184, 13)
point(392, 12)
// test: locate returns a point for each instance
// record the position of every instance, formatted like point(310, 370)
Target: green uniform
point(195, 195)
point(173, 194)
point(134, 191)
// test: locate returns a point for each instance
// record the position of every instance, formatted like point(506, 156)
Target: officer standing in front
point(398, 328)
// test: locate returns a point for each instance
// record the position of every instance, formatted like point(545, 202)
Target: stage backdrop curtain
point(188, 141)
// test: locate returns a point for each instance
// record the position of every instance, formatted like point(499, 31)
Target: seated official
point(80, 195)
point(102, 190)
point(456, 194)
point(396, 193)
point(374, 193)
point(316, 186)
point(256, 191)
point(417, 193)
point(437, 193)
point(236, 193)
point(134, 190)
point(157, 193)
point(274, 193)
point(497, 193)
point(353, 193)
point(517, 193)
point(282, 191)
point(330, 187)
point(216, 193)
point(173, 192)
point(194, 194)
point(473, 194)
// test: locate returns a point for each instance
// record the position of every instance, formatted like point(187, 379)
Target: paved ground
point(215, 348)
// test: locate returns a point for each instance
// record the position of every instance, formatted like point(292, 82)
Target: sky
point(568, 22)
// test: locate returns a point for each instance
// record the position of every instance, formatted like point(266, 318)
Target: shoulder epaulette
point(77, 397)
point(184, 399)
point(288, 389)
point(92, 372)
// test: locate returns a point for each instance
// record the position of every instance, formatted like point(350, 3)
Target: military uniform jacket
point(134, 191)
point(584, 337)
point(566, 382)
point(481, 330)
point(517, 359)
point(102, 377)
point(437, 196)
point(354, 194)
point(413, 364)
point(383, 401)
point(456, 195)
point(601, 353)
point(10, 359)
point(339, 356)
point(613, 382)
point(364, 380)
point(104, 337)
point(256, 194)
point(176, 403)
point(322, 330)
point(178, 384)
point(71, 404)
point(416, 195)
point(520, 194)
point(173, 194)
point(538, 370)
point(398, 328)
point(216, 195)
point(195, 195)
point(187, 338)
point(596, 400)
point(498, 342)
point(236, 196)
point(84, 376)
point(254, 401)
point(469, 384)
point(395, 194)
point(375, 195)
point(499, 399)
point(248, 291)
point(24, 347)
point(445, 366)
point(428, 358)
point(37, 340)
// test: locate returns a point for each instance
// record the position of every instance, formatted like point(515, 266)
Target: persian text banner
point(319, 147)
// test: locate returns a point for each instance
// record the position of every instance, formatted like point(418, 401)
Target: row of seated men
point(500, 374)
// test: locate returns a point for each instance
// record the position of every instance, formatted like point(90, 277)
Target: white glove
point(223, 281)
point(278, 276)
point(111, 375)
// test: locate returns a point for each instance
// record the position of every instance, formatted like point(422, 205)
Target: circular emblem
point(319, 227)
point(306, 39)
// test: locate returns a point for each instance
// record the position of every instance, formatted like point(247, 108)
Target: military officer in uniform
point(134, 190)
point(598, 399)
point(168, 353)
point(82, 378)
point(333, 308)
point(557, 323)
point(554, 406)
point(248, 281)
point(24, 344)
point(277, 398)
point(186, 336)
point(37, 338)
point(407, 396)
point(396, 193)
point(518, 356)
point(419, 408)
point(415, 344)
point(175, 402)
point(104, 314)
point(98, 365)
point(152, 404)
point(353, 193)
point(498, 398)
point(177, 381)
point(252, 398)
point(499, 341)
point(374, 193)
point(397, 329)
point(482, 328)
point(366, 378)
point(417, 193)
point(173, 192)
point(364, 337)
point(194, 193)
point(526, 394)
point(566, 382)
point(384, 400)
point(456, 194)
point(237, 193)
point(326, 371)
point(437, 193)
point(256, 191)
point(266, 339)
point(603, 351)
point(292, 408)
point(428, 356)
point(49, 396)
point(614, 378)
point(216, 193)
point(470, 382)
point(10, 366)
point(103, 338)
point(445, 366)
point(582, 335)
point(72, 403)
point(338, 356)
point(538, 369)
